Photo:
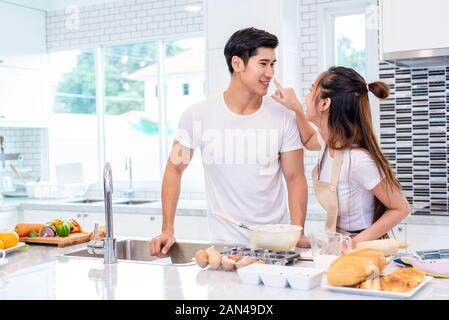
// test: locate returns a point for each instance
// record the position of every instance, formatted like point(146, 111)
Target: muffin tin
point(267, 256)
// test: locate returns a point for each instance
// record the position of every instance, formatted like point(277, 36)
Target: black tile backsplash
point(414, 123)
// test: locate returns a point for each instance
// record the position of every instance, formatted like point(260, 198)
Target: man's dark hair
point(244, 44)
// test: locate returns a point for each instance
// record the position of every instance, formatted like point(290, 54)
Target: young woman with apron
point(360, 193)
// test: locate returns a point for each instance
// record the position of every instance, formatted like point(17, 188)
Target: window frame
point(326, 42)
point(160, 42)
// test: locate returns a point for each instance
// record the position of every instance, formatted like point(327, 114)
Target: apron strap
point(336, 167)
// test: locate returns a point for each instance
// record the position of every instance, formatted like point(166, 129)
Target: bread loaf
point(375, 256)
point(355, 267)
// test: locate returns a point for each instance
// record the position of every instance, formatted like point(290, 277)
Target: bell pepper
point(63, 230)
point(74, 226)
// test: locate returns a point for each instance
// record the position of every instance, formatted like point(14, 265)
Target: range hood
point(419, 58)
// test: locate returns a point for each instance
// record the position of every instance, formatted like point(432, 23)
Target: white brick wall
point(85, 26)
point(27, 142)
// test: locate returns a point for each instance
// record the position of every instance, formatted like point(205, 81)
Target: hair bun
point(379, 89)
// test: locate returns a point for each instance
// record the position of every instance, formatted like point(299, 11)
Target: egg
point(202, 258)
point(214, 258)
point(227, 263)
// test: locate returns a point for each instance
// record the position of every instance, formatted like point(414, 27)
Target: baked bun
point(401, 280)
point(356, 266)
point(374, 255)
point(349, 270)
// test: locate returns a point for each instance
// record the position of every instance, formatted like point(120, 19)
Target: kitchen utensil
point(326, 247)
point(266, 255)
point(230, 219)
point(271, 236)
point(274, 236)
point(17, 173)
point(72, 239)
point(389, 247)
point(6, 183)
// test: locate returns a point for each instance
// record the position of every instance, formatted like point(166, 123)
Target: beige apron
point(327, 193)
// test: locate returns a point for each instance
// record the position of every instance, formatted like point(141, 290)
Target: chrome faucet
point(107, 246)
point(129, 166)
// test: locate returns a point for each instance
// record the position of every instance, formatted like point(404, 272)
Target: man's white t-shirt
point(241, 160)
point(359, 175)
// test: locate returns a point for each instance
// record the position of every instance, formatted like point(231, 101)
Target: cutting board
point(72, 239)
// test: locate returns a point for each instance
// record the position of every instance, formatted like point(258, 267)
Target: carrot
point(23, 229)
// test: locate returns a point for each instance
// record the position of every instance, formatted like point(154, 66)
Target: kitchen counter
point(41, 273)
point(185, 207)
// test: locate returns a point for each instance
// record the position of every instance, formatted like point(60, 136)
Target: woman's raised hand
point(286, 97)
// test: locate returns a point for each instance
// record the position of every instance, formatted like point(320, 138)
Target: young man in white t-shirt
point(247, 143)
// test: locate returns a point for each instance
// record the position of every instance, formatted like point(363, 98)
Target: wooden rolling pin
point(388, 247)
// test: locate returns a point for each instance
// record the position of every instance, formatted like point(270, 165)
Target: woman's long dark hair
point(350, 123)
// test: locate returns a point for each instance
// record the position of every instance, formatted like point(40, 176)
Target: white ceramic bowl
point(275, 236)
point(305, 278)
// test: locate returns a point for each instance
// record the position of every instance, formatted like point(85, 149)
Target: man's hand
point(303, 242)
point(286, 97)
point(160, 245)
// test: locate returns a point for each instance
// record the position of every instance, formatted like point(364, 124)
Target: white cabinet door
point(8, 220)
point(192, 228)
point(22, 36)
point(414, 25)
point(91, 218)
point(22, 96)
point(44, 216)
point(427, 237)
point(137, 225)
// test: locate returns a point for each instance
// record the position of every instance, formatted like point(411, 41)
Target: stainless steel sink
point(86, 201)
point(182, 253)
point(133, 201)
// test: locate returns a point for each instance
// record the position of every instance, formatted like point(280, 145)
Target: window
point(73, 131)
point(185, 89)
point(348, 36)
point(131, 110)
point(350, 42)
point(184, 65)
point(140, 119)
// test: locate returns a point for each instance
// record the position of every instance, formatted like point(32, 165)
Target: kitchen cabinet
point(137, 225)
point(22, 97)
point(148, 226)
point(408, 25)
point(399, 232)
point(8, 220)
point(22, 36)
point(192, 228)
point(427, 237)
point(43, 216)
point(23, 71)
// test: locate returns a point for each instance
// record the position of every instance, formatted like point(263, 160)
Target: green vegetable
point(63, 230)
point(33, 234)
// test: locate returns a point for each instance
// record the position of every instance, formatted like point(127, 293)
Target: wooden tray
point(72, 239)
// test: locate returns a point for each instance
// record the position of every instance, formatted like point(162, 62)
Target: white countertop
point(185, 207)
point(39, 273)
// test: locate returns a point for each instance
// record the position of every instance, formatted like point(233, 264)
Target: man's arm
point(292, 164)
point(178, 161)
